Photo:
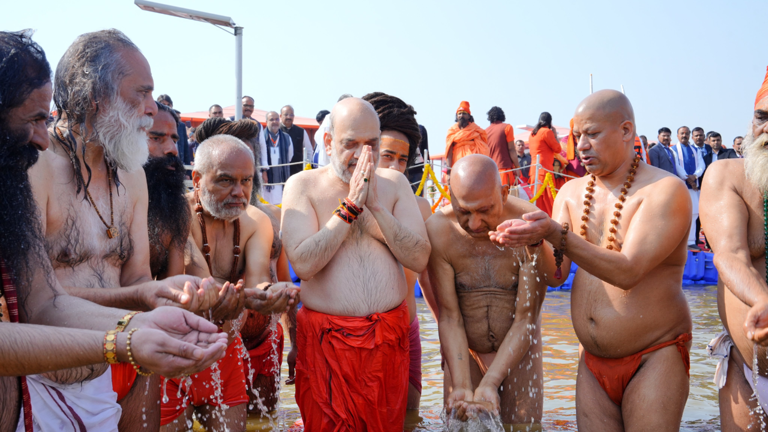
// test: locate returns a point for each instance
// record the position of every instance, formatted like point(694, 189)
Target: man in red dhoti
point(349, 229)
point(465, 137)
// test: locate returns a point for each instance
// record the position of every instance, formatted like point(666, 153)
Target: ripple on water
point(561, 351)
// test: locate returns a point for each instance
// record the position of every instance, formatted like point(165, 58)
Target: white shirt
point(323, 159)
point(677, 151)
point(274, 150)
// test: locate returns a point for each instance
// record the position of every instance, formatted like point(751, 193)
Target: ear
point(628, 130)
point(196, 177)
point(504, 193)
point(328, 141)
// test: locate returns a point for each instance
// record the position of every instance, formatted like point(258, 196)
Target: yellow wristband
point(110, 347)
point(122, 323)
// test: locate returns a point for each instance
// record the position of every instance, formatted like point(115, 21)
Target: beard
point(123, 134)
point(168, 215)
point(756, 160)
point(21, 239)
point(463, 122)
point(339, 169)
point(219, 210)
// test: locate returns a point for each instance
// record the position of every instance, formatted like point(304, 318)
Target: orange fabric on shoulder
point(763, 92)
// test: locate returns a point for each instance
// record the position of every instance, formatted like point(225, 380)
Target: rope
point(549, 181)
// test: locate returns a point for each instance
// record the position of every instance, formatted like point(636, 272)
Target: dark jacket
point(724, 154)
point(659, 158)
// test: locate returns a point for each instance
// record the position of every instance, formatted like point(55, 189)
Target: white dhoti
point(272, 194)
point(720, 348)
point(80, 407)
point(692, 240)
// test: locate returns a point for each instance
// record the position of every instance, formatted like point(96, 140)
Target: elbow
point(303, 271)
point(627, 280)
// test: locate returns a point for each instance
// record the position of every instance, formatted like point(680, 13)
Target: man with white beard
point(92, 198)
point(734, 214)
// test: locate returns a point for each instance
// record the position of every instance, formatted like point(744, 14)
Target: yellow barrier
point(549, 181)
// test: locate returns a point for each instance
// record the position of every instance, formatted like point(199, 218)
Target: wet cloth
point(464, 142)
point(123, 377)
point(720, 348)
point(414, 349)
point(265, 359)
point(352, 372)
point(203, 391)
point(614, 374)
point(87, 406)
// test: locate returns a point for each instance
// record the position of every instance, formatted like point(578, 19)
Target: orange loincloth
point(123, 377)
point(464, 142)
point(203, 391)
point(262, 358)
point(614, 374)
point(352, 372)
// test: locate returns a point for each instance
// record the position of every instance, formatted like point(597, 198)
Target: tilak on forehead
point(762, 94)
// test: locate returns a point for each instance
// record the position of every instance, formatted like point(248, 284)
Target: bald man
point(352, 333)
point(734, 209)
point(490, 299)
point(627, 303)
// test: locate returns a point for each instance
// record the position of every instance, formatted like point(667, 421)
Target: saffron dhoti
point(352, 372)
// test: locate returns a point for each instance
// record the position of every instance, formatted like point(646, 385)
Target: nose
point(238, 191)
point(170, 148)
point(583, 144)
point(150, 108)
point(475, 222)
point(40, 136)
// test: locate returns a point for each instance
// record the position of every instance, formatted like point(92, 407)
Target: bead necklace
point(233, 276)
point(619, 205)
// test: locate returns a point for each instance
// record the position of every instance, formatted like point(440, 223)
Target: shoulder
point(724, 170)
point(424, 207)
point(454, 127)
point(255, 217)
point(304, 177)
point(396, 178)
point(438, 223)
point(659, 180)
point(134, 182)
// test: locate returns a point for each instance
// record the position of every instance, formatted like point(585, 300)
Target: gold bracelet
point(130, 355)
point(110, 347)
point(122, 323)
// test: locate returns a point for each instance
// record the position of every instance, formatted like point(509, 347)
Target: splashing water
point(276, 418)
point(758, 411)
point(165, 391)
point(484, 422)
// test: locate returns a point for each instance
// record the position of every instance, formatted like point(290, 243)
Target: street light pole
point(217, 20)
point(238, 72)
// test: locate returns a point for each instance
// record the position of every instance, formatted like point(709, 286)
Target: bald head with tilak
point(604, 127)
point(477, 195)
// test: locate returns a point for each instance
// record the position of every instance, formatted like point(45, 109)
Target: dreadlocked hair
point(89, 74)
point(396, 115)
point(23, 69)
point(209, 127)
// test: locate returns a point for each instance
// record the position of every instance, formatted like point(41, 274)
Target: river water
point(560, 364)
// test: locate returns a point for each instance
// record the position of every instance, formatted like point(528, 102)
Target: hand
point(756, 324)
point(173, 341)
point(163, 354)
point(277, 299)
point(485, 399)
point(458, 402)
point(292, 365)
point(230, 304)
point(372, 200)
point(179, 291)
point(530, 230)
point(358, 187)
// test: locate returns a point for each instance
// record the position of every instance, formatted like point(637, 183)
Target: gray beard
point(123, 136)
point(216, 209)
point(756, 160)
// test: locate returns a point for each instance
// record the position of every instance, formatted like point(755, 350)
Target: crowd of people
point(130, 302)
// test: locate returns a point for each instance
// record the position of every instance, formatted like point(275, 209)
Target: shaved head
point(477, 196)
point(604, 128)
point(474, 174)
point(354, 124)
point(217, 148)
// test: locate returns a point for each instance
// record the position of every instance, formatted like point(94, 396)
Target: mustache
point(241, 201)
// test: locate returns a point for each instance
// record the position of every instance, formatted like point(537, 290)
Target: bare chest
point(77, 240)
point(603, 219)
point(224, 247)
point(480, 264)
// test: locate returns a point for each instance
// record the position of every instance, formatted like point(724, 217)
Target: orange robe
point(545, 145)
point(463, 142)
point(352, 372)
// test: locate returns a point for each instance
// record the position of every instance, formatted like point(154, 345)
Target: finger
point(530, 217)
point(199, 323)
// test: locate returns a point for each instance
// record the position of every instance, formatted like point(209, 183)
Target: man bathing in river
point(231, 242)
point(352, 333)
point(627, 303)
point(490, 298)
point(400, 136)
point(29, 292)
point(734, 211)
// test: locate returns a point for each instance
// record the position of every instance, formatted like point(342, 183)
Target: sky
point(694, 63)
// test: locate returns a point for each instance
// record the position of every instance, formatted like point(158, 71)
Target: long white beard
point(216, 209)
point(756, 160)
point(123, 135)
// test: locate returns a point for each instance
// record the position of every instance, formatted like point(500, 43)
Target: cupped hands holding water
point(173, 342)
point(276, 298)
point(531, 229)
